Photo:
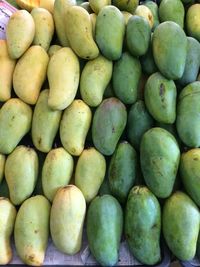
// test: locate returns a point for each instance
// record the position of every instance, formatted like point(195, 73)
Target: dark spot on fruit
point(154, 226)
point(39, 140)
point(13, 117)
point(162, 89)
point(31, 257)
point(36, 231)
point(196, 159)
point(113, 129)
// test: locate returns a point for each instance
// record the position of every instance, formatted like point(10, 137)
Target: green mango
point(87, 178)
point(159, 158)
point(181, 225)
point(4, 190)
point(21, 173)
point(93, 18)
point(122, 171)
point(97, 5)
point(193, 21)
point(139, 121)
point(67, 218)
point(53, 49)
point(143, 225)
point(160, 98)
point(109, 32)
point(74, 126)
point(170, 128)
point(188, 121)
point(2, 166)
point(127, 15)
point(104, 229)
point(169, 45)
point(126, 77)
point(15, 122)
point(108, 124)
point(31, 230)
point(56, 172)
point(154, 10)
point(172, 10)
point(45, 123)
point(95, 76)
point(138, 35)
point(7, 220)
point(125, 5)
point(145, 12)
point(192, 62)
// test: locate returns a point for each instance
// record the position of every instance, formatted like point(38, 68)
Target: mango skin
point(48, 5)
point(67, 218)
point(126, 77)
point(181, 225)
point(7, 67)
point(87, 178)
point(193, 21)
point(169, 45)
point(20, 32)
point(110, 30)
point(154, 10)
point(56, 171)
point(7, 219)
point(108, 124)
point(32, 66)
point(44, 27)
point(97, 5)
point(93, 18)
point(15, 122)
point(74, 127)
point(95, 77)
point(187, 121)
point(129, 6)
point(122, 171)
point(21, 165)
point(145, 12)
point(79, 31)
point(159, 158)
point(2, 166)
point(104, 229)
point(143, 225)
point(45, 123)
point(31, 230)
point(53, 49)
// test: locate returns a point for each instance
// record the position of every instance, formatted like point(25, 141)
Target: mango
point(138, 35)
point(127, 16)
point(6, 69)
point(193, 21)
point(79, 31)
point(122, 171)
point(63, 76)
point(7, 220)
point(129, 6)
point(181, 225)
point(48, 5)
point(2, 166)
point(74, 127)
point(104, 229)
point(31, 230)
point(45, 123)
point(87, 178)
point(143, 225)
point(15, 122)
point(87, 7)
point(153, 6)
point(95, 77)
point(97, 5)
point(169, 45)
point(21, 165)
point(20, 32)
point(93, 18)
point(145, 12)
point(67, 218)
point(32, 66)
point(159, 158)
point(53, 49)
point(108, 124)
point(110, 30)
point(28, 4)
point(44, 27)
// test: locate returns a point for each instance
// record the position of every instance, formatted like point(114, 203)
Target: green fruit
point(170, 49)
point(97, 5)
point(160, 98)
point(122, 171)
point(108, 125)
point(104, 229)
point(154, 10)
point(126, 77)
point(159, 157)
point(53, 49)
point(32, 230)
point(110, 30)
point(143, 225)
point(193, 21)
point(129, 6)
point(145, 12)
point(181, 225)
point(2, 166)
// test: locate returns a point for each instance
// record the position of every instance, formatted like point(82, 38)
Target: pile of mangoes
point(100, 128)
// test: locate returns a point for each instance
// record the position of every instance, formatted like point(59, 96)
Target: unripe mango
point(129, 6)
point(97, 5)
point(53, 49)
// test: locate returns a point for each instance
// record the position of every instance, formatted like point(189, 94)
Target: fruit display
point(100, 129)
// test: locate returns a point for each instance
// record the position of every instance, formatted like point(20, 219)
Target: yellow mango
point(53, 49)
point(28, 4)
point(97, 5)
point(2, 165)
point(93, 18)
point(145, 12)
point(47, 4)
point(126, 15)
point(30, 73)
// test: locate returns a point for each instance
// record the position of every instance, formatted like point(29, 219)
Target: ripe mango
point(145, 12)
point(153, 6)
point(53, 49)
point(193, 21)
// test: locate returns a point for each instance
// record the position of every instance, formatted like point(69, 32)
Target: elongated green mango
point(7, 220)
point(45, 123)
point(31, 230)
point(21, 171)
point(2, 166)
point(63, 76)
point(67, 218)
point(56, 171)
point(15, 122)
point(95, 77)
point(193, 21)
point(74, 127)
point(30, 73)
point(129, 6)
point(87, 178)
